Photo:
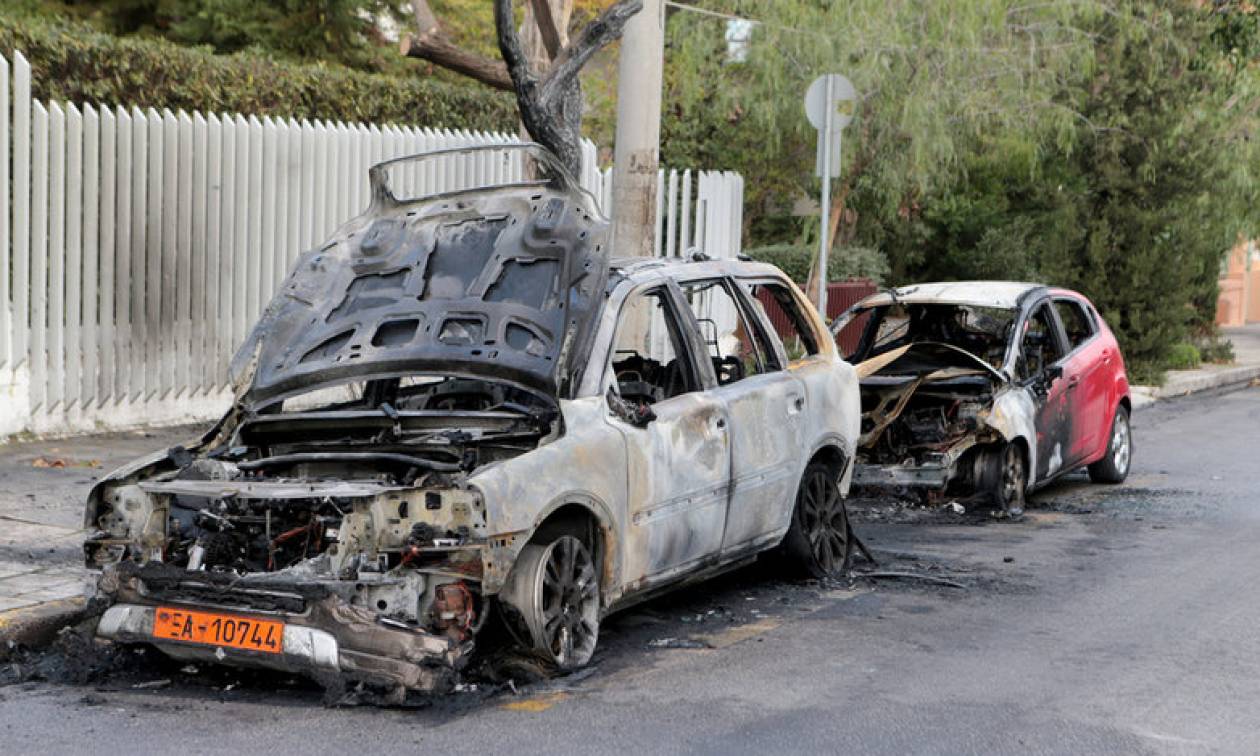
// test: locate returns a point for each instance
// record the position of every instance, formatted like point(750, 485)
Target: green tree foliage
point(930, 75)
point(1158, 182)
point(72, 61)
point(1166, 173)
point(1105, 145)
point(341, 31)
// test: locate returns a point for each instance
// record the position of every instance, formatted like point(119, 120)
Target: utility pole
point(637, 144)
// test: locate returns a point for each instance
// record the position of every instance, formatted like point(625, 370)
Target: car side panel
point(1112, 379)
point(586, 465)
point(1089, 400)
point(767, 420)
point(678, 477)
point(832, 414)
point(833, 410)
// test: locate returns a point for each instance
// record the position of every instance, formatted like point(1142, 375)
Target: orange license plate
point(213, 629)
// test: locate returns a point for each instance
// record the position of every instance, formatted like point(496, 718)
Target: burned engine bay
point(366, 501)
point(931, 418)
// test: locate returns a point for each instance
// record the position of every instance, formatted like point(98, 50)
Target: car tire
point(819, 541)
point(554, 592)
point(1010, 480)
point(1114, 466)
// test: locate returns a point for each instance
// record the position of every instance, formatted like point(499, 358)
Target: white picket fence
point(137, 247)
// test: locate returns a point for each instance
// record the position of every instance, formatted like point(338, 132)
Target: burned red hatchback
point(987, 387)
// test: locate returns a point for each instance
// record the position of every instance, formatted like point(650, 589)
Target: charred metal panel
point(586, 466)
point(679, 473)
point(502, 282)
point(767, 422)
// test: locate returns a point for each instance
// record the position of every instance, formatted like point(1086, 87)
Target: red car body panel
point(1095, 380)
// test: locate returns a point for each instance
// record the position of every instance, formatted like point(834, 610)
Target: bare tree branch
point(606, 28)
point(547, 27)
point(432, 44)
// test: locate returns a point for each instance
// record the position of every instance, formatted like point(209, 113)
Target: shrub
point(1183, 356)
point(842, 263)
point(1213, 348)
point(72, 61)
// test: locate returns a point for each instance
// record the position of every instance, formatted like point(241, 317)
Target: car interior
point(1040, 346)
point(645, 357)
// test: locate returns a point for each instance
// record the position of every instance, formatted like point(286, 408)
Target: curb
point(1220, 380)
point(1226, 378)
point(39, 624)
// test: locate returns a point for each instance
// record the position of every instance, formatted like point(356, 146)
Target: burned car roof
point(1003, 294)
point(500, 282)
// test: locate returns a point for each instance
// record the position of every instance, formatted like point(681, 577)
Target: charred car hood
point(500, 283)
point(926, 358)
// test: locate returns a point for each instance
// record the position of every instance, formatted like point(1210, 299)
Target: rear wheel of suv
point(1114, 466)
point(555, 588)
point(818, 540)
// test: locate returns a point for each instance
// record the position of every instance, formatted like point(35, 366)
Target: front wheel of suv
point(818, 540)
point(555, 588)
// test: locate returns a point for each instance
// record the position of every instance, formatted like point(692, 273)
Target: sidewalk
point(43, 485)
point(1245, 368)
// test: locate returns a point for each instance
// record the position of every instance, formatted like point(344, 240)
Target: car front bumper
point(325, 638)
point(903, 476)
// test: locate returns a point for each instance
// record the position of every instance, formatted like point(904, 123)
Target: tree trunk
point(551, 108)
point(544, 33)
point(550, 105)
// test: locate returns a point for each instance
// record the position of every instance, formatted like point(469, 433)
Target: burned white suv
point(459, 410)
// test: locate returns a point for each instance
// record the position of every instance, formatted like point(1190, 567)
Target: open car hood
point(502, 282)
point(932, 359)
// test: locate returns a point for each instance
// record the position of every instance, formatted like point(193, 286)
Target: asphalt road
point(1126, 619)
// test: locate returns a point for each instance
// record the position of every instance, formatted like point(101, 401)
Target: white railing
point(137, 247)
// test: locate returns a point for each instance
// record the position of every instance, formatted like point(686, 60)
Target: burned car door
point(1039, 371)
point(677, 443)
point(1089, 383)
point(765, 404)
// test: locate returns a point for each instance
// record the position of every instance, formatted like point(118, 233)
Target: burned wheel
point(1114, 466)
point(818, 540)
point(555, 589)
point(1010, 483)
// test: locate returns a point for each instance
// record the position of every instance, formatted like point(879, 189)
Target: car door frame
point(1089, 385)
point(1051, 415)
point(762, 491)
point(656, 542)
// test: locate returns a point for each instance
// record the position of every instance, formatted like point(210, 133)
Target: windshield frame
point(867, 343)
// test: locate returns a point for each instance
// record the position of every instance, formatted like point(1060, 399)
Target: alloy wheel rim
point(1120, 446)
point(1012, 476)
point(824, 521)
point(570, 602)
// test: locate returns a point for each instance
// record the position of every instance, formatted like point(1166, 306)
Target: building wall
point(1239, 300)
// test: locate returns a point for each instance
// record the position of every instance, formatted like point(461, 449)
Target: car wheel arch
point(835, 450)
point(831, 454)
point(578, 511)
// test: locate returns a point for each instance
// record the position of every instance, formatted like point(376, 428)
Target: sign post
point(829, 107)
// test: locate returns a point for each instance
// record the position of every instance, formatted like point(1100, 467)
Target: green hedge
point(843, 262)
point(72, 61)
